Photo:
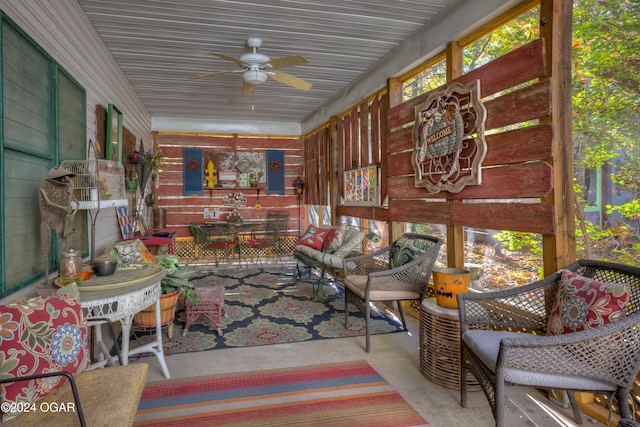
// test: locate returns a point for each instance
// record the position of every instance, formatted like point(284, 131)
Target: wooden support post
point(555, 27)
point(455, 233)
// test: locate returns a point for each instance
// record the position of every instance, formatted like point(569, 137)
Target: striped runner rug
point(350, 394)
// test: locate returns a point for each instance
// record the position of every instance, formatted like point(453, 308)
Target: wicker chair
point(369, 278)
point(497, 351)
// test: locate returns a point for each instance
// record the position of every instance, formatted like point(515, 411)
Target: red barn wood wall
point(361, 142)
point(515, 176)
point(181, 210)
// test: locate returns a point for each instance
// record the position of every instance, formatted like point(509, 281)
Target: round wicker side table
point(440, 346)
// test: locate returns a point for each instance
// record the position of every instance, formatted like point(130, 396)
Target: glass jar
point(70, 268)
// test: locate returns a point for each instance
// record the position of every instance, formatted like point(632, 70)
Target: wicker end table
point(440, 346)
point(210, 304)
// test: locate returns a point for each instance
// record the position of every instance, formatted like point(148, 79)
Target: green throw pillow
point(405, 250)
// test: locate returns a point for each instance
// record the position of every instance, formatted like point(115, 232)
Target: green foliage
point(177, 278)
point(606, 113)
point(630, 210)
point(518, 241)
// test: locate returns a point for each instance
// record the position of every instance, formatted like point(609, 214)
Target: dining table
point(237, 228)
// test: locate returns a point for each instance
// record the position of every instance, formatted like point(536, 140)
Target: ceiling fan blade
point(230, 58)
point(288, 61)
point(201, 76)
point(290, 80)
point(248, 89)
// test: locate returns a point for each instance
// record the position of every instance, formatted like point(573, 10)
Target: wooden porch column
point(455, 233)
point(556, 25)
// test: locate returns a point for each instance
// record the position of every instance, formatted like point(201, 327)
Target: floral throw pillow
point(584, 303)
point(41, 335)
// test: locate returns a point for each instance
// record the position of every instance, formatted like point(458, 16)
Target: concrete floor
point(396, 357)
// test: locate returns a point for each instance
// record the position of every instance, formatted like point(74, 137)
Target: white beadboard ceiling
point(159, 44)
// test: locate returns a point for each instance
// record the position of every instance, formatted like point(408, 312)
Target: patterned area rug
point(349, 394)
point(269, 308)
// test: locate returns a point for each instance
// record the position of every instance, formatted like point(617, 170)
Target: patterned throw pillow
point(317, 238)
point(40, 335)
point(404, 250)
point(338, 238)
point(133, 252)
point(583, 303)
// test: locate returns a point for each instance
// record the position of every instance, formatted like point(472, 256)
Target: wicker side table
point(440, 346)
point(210, 304)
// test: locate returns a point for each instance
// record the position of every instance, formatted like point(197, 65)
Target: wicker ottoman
point(210, 304)
point(440, 346)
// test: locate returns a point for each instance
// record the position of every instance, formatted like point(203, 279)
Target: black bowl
point(105, 266)
point(161, 234)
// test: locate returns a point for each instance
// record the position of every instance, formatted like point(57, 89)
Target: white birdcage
point(97, 183)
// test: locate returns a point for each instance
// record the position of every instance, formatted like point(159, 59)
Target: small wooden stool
point(210, 304)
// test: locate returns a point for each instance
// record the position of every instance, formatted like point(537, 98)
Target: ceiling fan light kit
point(256, 68)
point(255, 77)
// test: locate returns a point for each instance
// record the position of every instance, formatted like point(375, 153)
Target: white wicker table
point(119, 297)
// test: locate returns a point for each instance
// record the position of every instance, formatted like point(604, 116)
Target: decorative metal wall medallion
point(448, 138)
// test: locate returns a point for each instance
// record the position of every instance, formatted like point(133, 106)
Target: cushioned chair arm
point(368, 263)
point(613, 352)
point(519, 308)
point(72, 382)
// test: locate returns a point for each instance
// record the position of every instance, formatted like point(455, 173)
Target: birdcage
point(97, 183)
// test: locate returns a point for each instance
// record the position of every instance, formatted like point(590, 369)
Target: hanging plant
point(153, 160)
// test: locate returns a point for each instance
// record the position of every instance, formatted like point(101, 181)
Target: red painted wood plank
point(419, 211)
point(520, 145)
point(400, 163)
point(384, 169)
point(341, 156)
point(367, 212)
point(518, 66)
point(355, 140)
point(363, 111)
point(527, 180)
point(347, 142)
point(525, 217)
point(529, 103)
point(400, 140)
point(375, 132)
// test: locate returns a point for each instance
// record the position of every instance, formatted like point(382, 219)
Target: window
point(43, 122)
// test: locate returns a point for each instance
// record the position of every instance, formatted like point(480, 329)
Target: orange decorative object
point(448, 283)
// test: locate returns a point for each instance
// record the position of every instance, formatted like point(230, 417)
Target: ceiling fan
point(256, 68)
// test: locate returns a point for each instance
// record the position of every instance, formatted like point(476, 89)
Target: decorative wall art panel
point(275, 172)
point(192, 171)
point(237, 169)
point(449, 145)
point(361, 187)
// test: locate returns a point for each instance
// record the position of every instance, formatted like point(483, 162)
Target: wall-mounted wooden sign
point(449, 145)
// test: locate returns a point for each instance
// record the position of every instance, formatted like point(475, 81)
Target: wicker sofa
point(350, 241)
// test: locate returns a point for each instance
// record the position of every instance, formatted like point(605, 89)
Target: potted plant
point(175, 283)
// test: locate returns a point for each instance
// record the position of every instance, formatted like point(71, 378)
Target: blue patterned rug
point(265, 308)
